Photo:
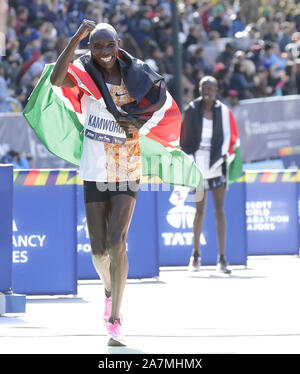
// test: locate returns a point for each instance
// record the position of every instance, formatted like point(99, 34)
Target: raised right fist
point(84, 29)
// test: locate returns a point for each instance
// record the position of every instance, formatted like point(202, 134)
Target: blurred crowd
point(253, 52)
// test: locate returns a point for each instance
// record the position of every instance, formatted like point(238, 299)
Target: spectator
point(220, 22)
point(21, 18)
point(18, 160)
point(227, 55)
point(239, 82)
point(188, 83)
point(262, 89)
point(35, 28)
point(211, 49)
point(203, 11)
point(268, 26)
point(195, 36)
point(238, 24)
point(271, 58)
point(4, 104)
point(285, 35)
point(197, 60)
point(297, 78)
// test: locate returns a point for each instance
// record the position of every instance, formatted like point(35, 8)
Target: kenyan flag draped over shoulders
point(55, 115)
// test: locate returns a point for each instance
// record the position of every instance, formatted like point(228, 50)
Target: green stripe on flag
point(173, 167)
point(56, 126)
point(235, 169)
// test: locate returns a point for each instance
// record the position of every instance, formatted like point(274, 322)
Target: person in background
point(18, 160)
point(205, 135)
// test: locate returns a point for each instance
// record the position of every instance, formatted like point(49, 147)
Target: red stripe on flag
point(31, 177)
point(168, 128)
point(152, 136)
point(73, 95)
point(233, 133)
point(87, 81)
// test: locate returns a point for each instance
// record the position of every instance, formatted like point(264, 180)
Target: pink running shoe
point(107, 310)
point(115, 334)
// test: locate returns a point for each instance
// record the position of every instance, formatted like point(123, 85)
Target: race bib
point(101, 125)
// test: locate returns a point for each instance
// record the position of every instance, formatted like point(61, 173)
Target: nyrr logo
point(84, 228)
point(25, 241)
point(83, 237)
point(181, 217)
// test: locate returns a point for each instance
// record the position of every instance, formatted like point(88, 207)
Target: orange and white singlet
point(104, 159)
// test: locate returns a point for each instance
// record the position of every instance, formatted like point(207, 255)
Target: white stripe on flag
point(175, 143)
point(68, 104)
point(79, 83)
point(226, 129)
point(157, 116)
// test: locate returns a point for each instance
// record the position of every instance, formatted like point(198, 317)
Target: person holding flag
point(209, 135)
point(110, 114)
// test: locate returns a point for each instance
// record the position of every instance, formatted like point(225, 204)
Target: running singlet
point(202, 155)
point(104, 157)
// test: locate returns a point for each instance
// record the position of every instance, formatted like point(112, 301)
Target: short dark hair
point(103, 26)
point(208, 78)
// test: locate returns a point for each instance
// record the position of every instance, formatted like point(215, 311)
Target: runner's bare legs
point(219, 201)
point(97, 215)
point(198, 222)
point(108, 225)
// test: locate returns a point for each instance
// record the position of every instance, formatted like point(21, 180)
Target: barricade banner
point(44, 232)
point(141, 246)
point(299, 215)
point(6, 204)
point(176, 229)
point(272, 212)
point(267, 125)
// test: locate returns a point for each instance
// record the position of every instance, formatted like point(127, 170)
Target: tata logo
point(181, 217)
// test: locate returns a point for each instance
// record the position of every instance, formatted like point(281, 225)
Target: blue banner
point(176, 229)
point(142, 248)
point(6, 204)
point(272, 213)
point(44, 232)
point(298, 216)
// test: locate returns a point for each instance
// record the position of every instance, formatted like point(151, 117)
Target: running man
point(111, 163)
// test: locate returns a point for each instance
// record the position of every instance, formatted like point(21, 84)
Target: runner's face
point(104, 47)
point(208, 91)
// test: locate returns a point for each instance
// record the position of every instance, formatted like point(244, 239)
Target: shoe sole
point(115, 343)
point(224, 272)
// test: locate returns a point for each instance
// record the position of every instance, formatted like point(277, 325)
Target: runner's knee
point(219, 211)
point(98, 247)
point(116, 245)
